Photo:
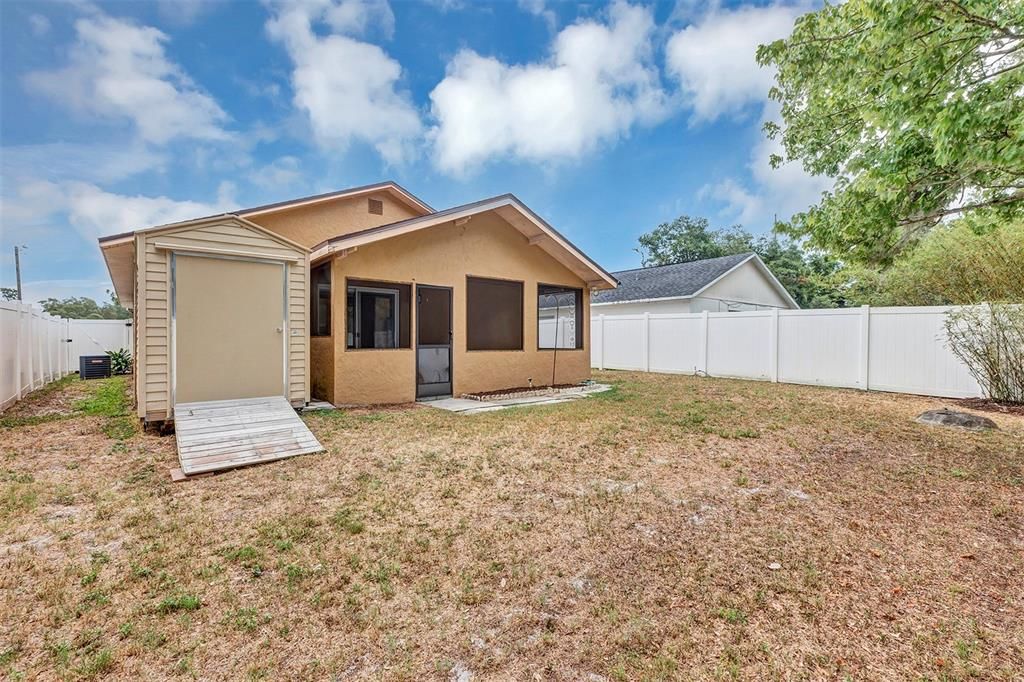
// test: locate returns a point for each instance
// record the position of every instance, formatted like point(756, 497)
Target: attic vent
point(376, 207)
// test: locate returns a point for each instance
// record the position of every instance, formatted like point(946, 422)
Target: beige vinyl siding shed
point(220, 239)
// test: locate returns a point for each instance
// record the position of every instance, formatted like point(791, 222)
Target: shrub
point(120, 361)
point(989, 339)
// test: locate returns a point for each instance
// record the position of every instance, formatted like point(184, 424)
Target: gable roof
point(393, 188)
point(681, 280)
point(119, 250)
point(537, 231)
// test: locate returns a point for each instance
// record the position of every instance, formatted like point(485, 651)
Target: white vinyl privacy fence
point(37, 348)
point(902, 350)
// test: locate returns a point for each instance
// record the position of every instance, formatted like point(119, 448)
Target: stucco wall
point(487, 246)
point(310, 225)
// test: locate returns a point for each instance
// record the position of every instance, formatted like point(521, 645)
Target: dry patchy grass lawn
point(675, 527)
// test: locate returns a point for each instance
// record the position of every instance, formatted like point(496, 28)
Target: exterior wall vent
point(376, 207)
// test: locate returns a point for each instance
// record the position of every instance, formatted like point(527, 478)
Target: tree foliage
point(960, 263)
point(916, 107)
point(8, 294)
point(85, 308)
point(806, 275)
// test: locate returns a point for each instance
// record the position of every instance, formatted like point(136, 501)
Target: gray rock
point(960, 420)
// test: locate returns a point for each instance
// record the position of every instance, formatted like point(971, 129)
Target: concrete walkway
point(467, 406)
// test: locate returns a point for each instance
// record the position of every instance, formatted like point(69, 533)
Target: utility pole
point(17, 267)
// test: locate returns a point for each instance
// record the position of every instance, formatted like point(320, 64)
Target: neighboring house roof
point(537, 231)
point(681, 280)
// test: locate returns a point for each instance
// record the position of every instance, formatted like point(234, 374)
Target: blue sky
point(606, 119)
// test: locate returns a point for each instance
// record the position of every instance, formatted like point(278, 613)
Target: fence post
point(600, 356)
point(773, 347)
point(49, 348)
point(67, 346)
point(19, 347)
point(647, 342)
point(865, 345)
point(39, 350)
point(31, 347)
point(704, 342)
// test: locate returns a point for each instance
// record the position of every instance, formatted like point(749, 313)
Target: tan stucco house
point(366, 295)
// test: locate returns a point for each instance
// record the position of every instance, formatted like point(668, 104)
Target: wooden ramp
point(224, 434)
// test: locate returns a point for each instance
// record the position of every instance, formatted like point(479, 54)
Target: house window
point(559, 317)
point(494, 314)
point(320, 305)
point(377, 315)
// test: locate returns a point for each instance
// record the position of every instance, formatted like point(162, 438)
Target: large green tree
point(85, 308)
point(808, 276)
point(916, 107)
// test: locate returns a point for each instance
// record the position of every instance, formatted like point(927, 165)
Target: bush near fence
point(901, 349)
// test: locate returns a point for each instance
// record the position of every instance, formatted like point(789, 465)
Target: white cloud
point(741, 204)
point(118, 70)
point(184, 12)
point(348, 88)
point(714, 61)
point(281, 173)
point(539, 8)
point(775, 192)
point(89, 161)
point(714, 58)
point(39, 24)
point(94, 212)
point(597, 84)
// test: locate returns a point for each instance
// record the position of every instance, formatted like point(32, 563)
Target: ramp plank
point(224, 434)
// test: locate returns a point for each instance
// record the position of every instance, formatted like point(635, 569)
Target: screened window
point(377, 315)
point(559, 317)
point(320, 305)
point(494, 314)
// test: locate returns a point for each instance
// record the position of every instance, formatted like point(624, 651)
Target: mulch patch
point(988, 405)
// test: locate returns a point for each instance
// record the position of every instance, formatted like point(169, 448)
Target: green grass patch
point(346, 519)
point(120, 428)
point(108, 399)
point(732, 616)
point(179, 602)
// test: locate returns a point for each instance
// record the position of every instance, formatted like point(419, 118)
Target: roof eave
point(604, 280)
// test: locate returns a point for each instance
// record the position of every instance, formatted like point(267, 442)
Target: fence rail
point(37, 348)
point(901, 350)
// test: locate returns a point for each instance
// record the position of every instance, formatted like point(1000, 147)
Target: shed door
point(228, 329)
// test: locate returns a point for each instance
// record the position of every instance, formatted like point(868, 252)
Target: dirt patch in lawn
point(670, 528)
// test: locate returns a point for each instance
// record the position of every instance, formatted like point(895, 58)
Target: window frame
point(379, 287)
point(314, 306)
point(522, 315)
point(580, 312)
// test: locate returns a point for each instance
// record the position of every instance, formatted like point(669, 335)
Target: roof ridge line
point(686, 262)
